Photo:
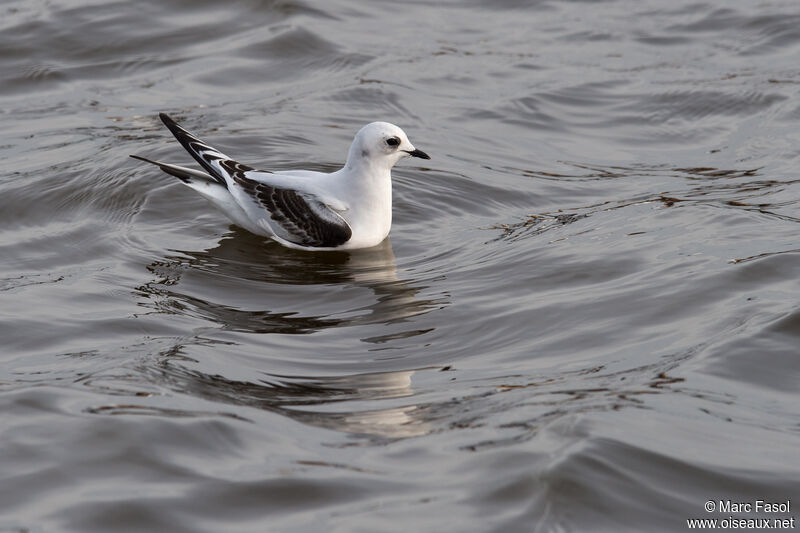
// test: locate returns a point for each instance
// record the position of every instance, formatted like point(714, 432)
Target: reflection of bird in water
point(402, 421)
point(335, 403)
point(223, 284)
point(198, 283)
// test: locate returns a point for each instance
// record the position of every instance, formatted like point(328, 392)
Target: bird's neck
point(365, 170)
point(369, 180)
point(371, 183)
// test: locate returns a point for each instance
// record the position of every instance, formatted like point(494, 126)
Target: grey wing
point(302, 218)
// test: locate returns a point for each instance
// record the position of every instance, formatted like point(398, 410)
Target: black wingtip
point(191, 144)
point(183, 176)
point(140, 158)
point(171, 124)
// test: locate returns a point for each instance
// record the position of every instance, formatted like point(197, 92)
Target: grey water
point(586, 317)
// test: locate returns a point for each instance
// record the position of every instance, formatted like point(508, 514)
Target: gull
point(348, 209)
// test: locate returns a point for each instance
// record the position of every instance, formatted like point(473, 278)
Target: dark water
point(587, 318)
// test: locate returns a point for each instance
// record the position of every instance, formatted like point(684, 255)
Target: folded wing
point(295, 216)
point(298, 217)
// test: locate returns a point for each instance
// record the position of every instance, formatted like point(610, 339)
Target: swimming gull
point(347, 209)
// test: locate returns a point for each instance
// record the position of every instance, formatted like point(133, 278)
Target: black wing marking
point(203, 153)
point(306, 220)
point(186, 175)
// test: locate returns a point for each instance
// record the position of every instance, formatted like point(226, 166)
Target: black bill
point(418, 153)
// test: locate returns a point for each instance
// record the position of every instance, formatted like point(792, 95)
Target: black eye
point(393, 141)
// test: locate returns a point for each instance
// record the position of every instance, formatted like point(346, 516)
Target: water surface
point(586, 317)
